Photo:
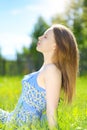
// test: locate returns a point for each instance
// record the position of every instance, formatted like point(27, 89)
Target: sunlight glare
point(58, 5)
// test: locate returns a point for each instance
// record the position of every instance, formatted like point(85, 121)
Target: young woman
point(41, 89)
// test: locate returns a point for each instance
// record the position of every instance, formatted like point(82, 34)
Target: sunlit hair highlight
point(67, 59)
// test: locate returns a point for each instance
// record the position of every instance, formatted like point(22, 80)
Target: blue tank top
point(31, 103)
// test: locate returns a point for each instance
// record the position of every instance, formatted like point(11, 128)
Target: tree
point(2, 64)
point(72, 18)
point(84, 17)
point(83, 55)
point(39, 29)
point(0, 54)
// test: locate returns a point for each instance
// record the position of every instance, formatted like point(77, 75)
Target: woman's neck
point(48, 58)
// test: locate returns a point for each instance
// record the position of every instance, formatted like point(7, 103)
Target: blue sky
point(17, 19)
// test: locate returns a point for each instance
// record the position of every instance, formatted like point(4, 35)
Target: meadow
point(70, 117)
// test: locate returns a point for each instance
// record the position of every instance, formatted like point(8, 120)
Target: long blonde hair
point(67, 59)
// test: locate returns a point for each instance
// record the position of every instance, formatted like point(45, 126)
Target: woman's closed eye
point(45, 36)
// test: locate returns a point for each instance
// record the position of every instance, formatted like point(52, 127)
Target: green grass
point(72, 117)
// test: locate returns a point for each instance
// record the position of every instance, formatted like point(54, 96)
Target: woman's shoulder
point(52, 67)
point(52, 77)
point(50, 71)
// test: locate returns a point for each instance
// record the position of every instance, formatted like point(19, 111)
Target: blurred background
point(22, 22)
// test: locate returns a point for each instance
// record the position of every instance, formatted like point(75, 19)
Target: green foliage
point(84, 17)
point(39, 29)
point(2, 66)
point(23, 62)
point(75, 17)
point(70, 117)
point(30, 60)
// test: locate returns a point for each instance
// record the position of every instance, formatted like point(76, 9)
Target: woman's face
point(46, 42)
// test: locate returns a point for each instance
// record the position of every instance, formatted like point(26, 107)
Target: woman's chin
point(37, 49)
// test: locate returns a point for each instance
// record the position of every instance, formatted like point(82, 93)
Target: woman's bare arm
point(53, 86)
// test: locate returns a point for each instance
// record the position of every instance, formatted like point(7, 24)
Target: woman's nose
point(40, 37)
